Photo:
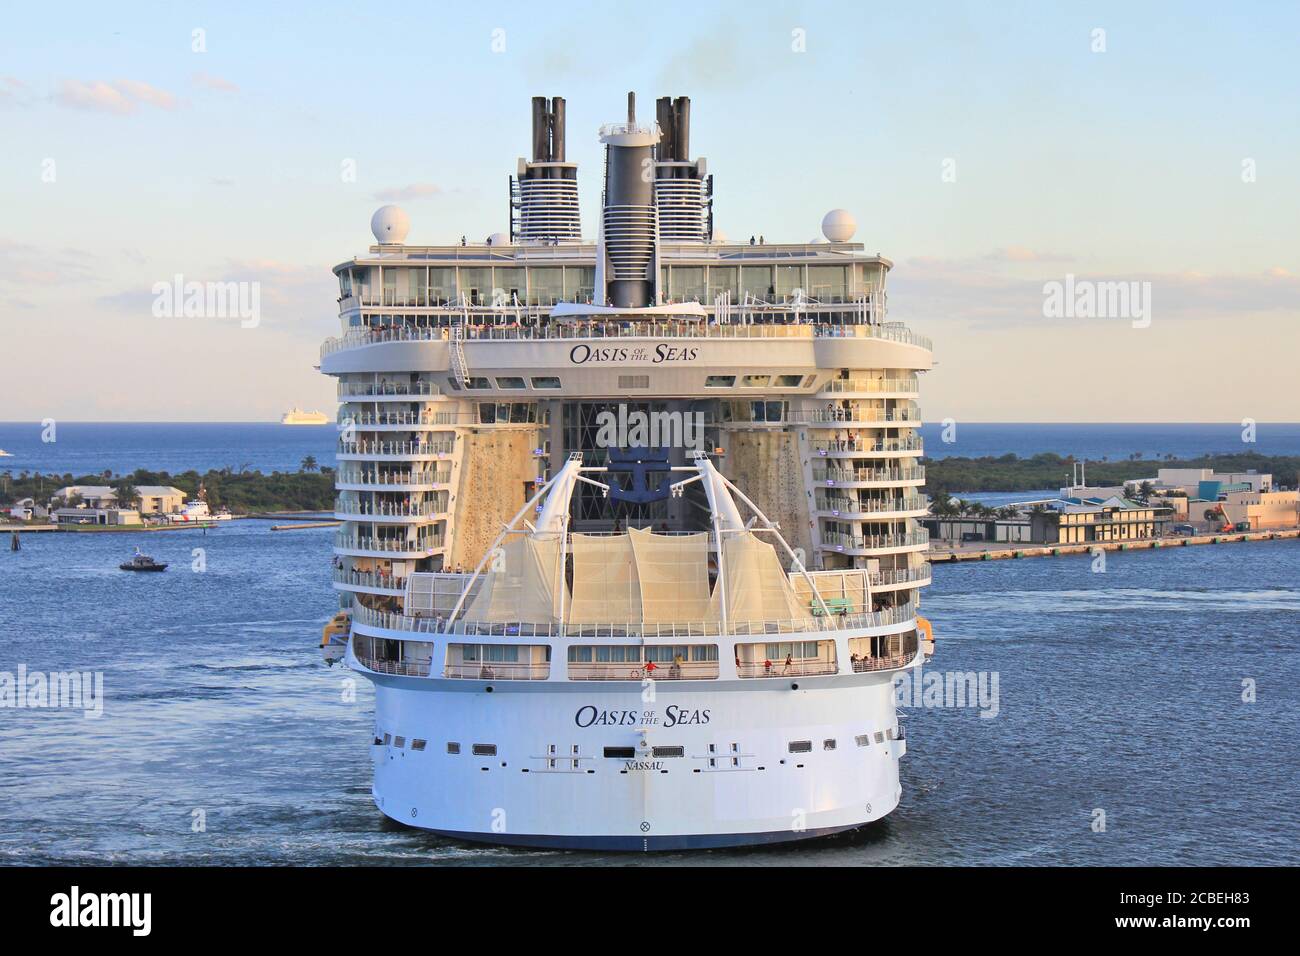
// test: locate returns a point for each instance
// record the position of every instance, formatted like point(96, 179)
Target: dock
point(1002, 551)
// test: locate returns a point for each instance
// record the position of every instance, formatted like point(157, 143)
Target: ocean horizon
point(84, 448)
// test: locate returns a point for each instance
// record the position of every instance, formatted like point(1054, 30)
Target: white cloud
point(120, 97)
point(217, 83)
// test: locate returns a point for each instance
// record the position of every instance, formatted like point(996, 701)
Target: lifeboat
point(927, 635)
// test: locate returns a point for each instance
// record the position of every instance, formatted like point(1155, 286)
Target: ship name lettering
point(675, 716)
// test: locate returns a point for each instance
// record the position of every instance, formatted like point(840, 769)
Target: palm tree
point(127, 494)
point(308, 464)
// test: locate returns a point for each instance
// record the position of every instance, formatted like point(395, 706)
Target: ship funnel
point(628, 258)
point(544, 195)
point(683, 188)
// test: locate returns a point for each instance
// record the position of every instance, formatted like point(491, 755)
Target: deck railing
point(603, 329)
point(868, 474)
point(675, 632)
point(858, 445)
point(872, 505)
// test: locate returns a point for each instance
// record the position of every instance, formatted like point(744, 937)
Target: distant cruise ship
point(296, 416)
point(584, 630)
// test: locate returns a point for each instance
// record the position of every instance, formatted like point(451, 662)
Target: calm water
point(91, 447)
point(1118, 691)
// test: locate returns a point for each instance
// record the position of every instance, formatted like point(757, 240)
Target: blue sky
point(1123, 164)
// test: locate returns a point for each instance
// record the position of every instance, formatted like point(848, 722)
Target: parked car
point(1184, 529)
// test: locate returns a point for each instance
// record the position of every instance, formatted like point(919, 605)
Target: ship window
point(800, 746)
point(880, 737)
point(485, 750)
point(828, 744)
point(453, 748)
point(620, 753)
point(399, 741)
point(418, 744)
point(669, 751)
point(478, 383)
point(510, 382)
point(634, 381)
point(387, 739)
point(546, 381)
point(862, 740)
point(720, 381)
point(889, 734)
point(580, 655)
point(756, 381)
point(788, 381)
point(496, 653)
point(454, 383)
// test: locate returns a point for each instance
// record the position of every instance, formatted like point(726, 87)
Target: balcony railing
point(868, 474)
point(430, 509)
point(871, 505)
point(854, 542)
point(494, 670)
point(676, 632)
point(382, 479)
point(912, 443)
point(907, 651)
point(402, 668)
point(850, 416)
point(839, 385)
point(423, 543)
point(369, 579)
point(769, 668)
point(407, 448)
point(920, 572)
point(634, 670)
point(365, 390)
point(410, 419)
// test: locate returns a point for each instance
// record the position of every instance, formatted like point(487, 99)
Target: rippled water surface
point(1119, 691)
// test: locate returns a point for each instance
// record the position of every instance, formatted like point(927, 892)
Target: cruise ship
point(629, 543)
point(296, 416)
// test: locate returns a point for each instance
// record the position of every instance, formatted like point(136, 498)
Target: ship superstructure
point(474, 377)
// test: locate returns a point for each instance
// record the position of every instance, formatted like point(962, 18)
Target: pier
point(1003, 550)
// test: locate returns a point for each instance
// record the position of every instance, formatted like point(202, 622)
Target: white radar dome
point(719, 235)
point(390, 224)
point(498, 239)
point(838, 225)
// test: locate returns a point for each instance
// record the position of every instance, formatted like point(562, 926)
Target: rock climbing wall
point(765, 465)
point(493, 473)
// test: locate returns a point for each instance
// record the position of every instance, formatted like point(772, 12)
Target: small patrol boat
point(142, 562)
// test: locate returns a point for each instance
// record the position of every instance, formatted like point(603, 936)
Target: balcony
point(367, 545)
point(348, 480)
point(398, 450)
point(869, 476)
point(495, 670)
point(843, 447)
point(796, 668)
point(388, 390)
point(851, 543)
point(369, 581)
point(405, 420)
point(870, 386)
point(393, 513)
point(850, 508)
point(638, 671)
point(844, 417)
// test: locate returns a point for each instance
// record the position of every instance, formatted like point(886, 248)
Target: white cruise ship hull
point(549, 783)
